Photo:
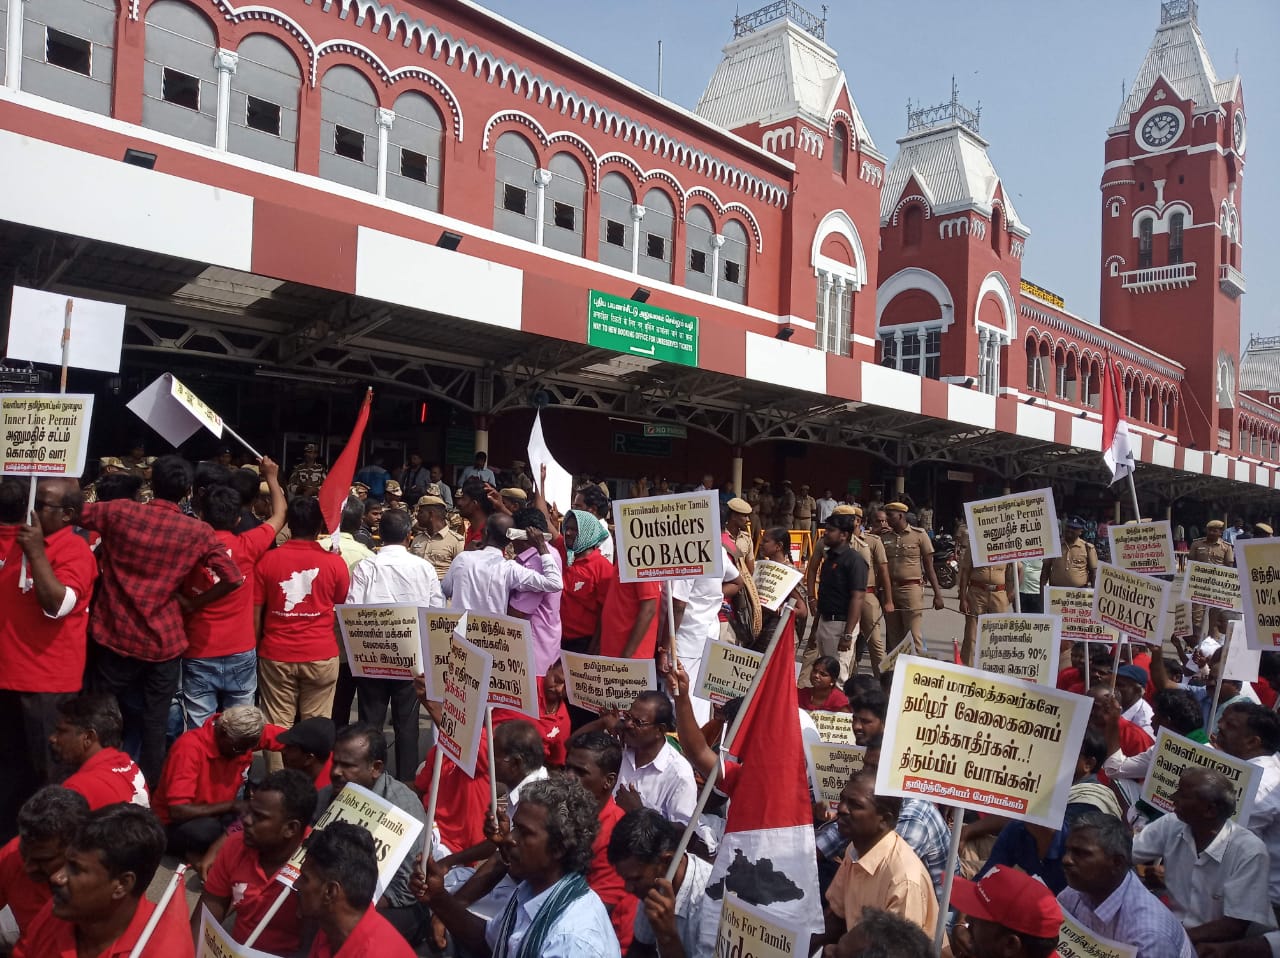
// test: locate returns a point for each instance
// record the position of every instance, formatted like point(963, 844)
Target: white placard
point(174, 411)
point(558, 489)
point(36, 320)
point(1240, 663)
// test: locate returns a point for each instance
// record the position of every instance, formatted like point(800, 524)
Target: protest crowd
point(180, 687)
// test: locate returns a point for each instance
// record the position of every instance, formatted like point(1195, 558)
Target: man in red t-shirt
point(462, 801)
point(220, 665)
point(43, 623)
point(99, 904)
point(336, 889)
point(87, 739)
point(1106, 706)
point(244, 874)
point(296, 589)
point(629, 619)
point(46, 826)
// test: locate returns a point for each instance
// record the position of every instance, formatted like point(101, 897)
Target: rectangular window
point(413, 166)
point(348, 143)
point(615, 234)
point(655, 246)
point(514, 199)
point(70, 53)
point(564, 216)
point(932, 353)
point(1175, 240)
point(889, 351)
point(910, 353)
point(263, 116)
point(697, 261)
point(180, 89)
point(732, 272)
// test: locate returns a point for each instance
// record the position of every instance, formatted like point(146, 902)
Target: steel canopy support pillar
point(736, 471)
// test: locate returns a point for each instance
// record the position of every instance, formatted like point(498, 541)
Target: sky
point(1047, 74)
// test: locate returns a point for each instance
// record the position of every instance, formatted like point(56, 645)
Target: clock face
point(1160, 128)
point(1238, 133)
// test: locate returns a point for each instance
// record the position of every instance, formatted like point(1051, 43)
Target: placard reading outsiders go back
point(45, 434)
point(1135, 604)
point(1258, 565)
point(980, 741)
point(668, 537)
point(1021, 526)
point(1145, 547)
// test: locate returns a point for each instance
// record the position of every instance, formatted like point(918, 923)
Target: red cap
point(1011, 899)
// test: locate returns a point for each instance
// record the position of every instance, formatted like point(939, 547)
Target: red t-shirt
point(109, 777)
point(51, 937)
point(620, 611)
point(237, 875)
point(607, 883)
point(322, 776)
point(554, 726)
point(1133, 740)
point(1070, 679)
point(372, 937)
point(586, 583)
point(226, 627)
point(37, 653)
point(299, 584)
point(20, 893)
point(196, 773)
point(462, 802)
point(836, 701)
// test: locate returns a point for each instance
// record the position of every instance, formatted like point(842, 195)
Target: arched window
point(700, 258)
point(997, 229)
point(1144, 242)
point(264, 102)
point(1148, 401)
point(179, 81)
point(1060, 367)
point(413, 152)
point(617, 239)
point(657, 235)
point(1037, 366)
point(67, 53)
point(1166, 416)
point(348, 129)
point(1130, 395)
point(840, 149)
point(1175, 238)
point(733, 263)
point(1226, 381)
point(514, 191)
point(565, 205)
point(912, 225)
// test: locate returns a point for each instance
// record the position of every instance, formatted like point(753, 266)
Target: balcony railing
point(1158, 277)
point(1231, 280)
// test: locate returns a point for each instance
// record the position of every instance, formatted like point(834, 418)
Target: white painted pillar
point(385, 119)
point(984, 366)
point(717, 243)
point(224, 61)
point(13, 45)
point(541, 180)
point(735, 472)
point(482, 439)
point(839, 326)
point(897, 344)
point(637, 214)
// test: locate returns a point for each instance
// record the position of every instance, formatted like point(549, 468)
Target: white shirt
point(666, 784)
point(581, 931)
point(1140, 714)
point(1227, 880)
point(606, 544)
point(485, 475)
point(1265, 818)
point(701, 619)
point(482, 580)
point(825, 508)
point(395, 575)
point(697, 936)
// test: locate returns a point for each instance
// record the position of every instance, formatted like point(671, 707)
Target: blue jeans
point(212, 685)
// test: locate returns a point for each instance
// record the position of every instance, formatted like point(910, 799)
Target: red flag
point(1116, 451)
point(337, 484)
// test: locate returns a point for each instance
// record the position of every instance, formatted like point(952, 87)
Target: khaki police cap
point(897, 507)
point(1215, 524)
point(844, 510)
point(111, 462)
point(511, 492)
point(430, 501)
point(393, 488)
point(1263, 528)
point(740, 506)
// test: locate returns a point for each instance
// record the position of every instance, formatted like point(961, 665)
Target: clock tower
point(1171, 215)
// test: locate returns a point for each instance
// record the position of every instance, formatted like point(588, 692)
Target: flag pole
point(948, 878)
point(1133, 497)
point(710, 784)
point(149, 928)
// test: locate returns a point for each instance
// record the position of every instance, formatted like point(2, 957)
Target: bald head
point(495, 530)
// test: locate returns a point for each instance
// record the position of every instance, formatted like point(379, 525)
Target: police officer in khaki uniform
point(1216, 550)
point(752, 496)
point(983, 590)
point(806, 509)
point(870, 625)
point(514, 498)
point(436, 542)
point(1077, 564)
point(910, 555)
point(786, 506)
point(308, 474)
point(737, 526)
point(393, 497)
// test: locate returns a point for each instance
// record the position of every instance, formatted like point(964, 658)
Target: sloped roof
point(951, 163)
point(1260, 365)
point(774, 74)
point(1177, 53)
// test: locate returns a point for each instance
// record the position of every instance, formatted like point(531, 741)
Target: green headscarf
point(591, 532)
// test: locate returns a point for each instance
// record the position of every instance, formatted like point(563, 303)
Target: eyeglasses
point(632, 720)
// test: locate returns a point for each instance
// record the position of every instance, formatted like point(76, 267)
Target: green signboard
point(666, 430)
point(629, 444)
point(638, 329)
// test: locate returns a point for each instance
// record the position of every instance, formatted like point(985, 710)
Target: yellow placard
point(382, 641)
point(1176, 754)
point(668, 537)
point(830, 767)
point(1075, 608)
point(437, 628)
point(214, 941)
point(195, 405)
point(1007, 528)
point(466, 687)
point(1258, 564)
point(833, 727)
point(1217, 586)
point(747, 932)
point(727, 671)
point(1019, 646)
point(1076, 941)
point(45, 434)
point(891, 657)
point(1131, 602)
point(511, 684)
point(1145, 547)
point(774, 582)
point(976, 740)
point(599, 683)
